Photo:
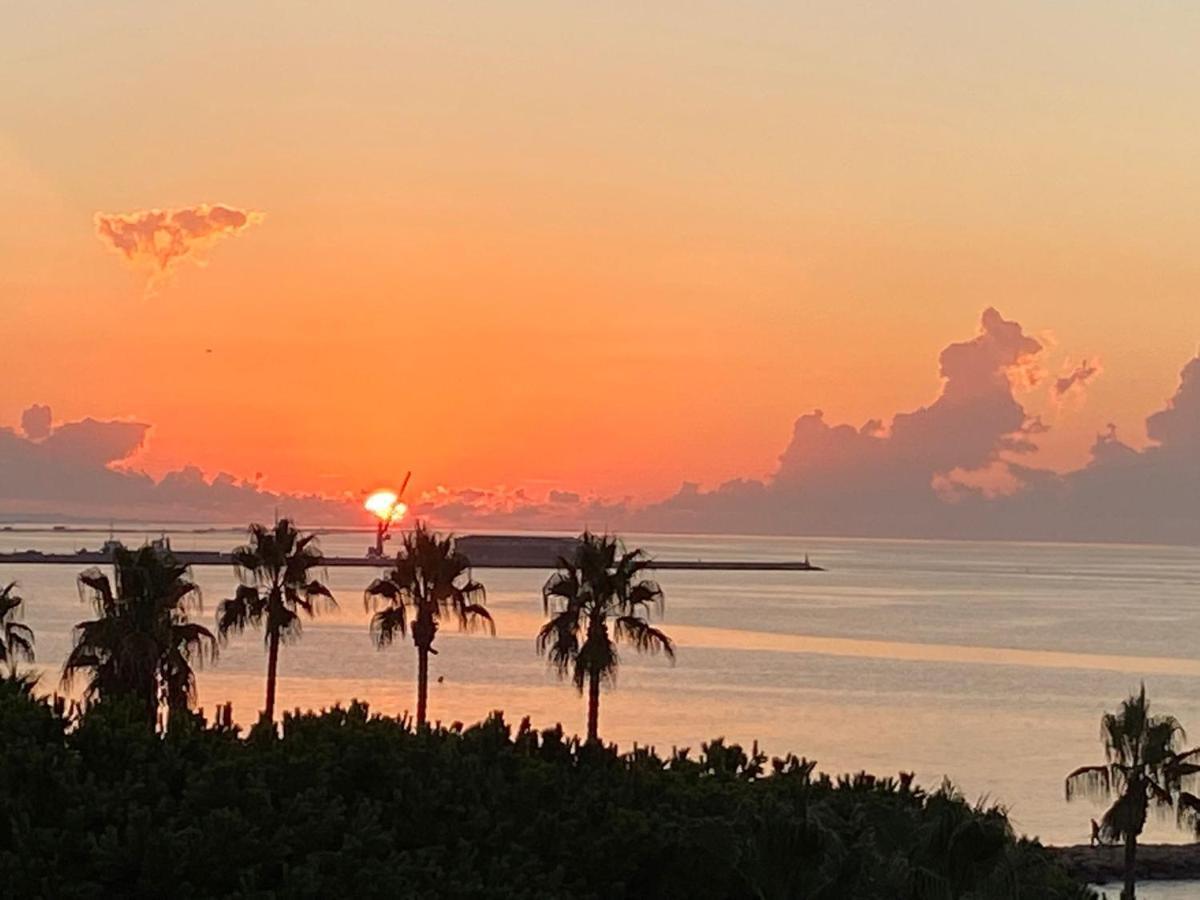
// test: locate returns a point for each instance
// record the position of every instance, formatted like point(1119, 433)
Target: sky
point(575, 257)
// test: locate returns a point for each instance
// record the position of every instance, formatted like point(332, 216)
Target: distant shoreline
point(216, 558)
point(1155, 862)
point(11, 524)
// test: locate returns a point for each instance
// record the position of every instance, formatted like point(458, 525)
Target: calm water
point(986, 663)
point(1156, 890)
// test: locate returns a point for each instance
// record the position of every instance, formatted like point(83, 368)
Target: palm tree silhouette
point(1144, 769)
point(274, 569)
point(600, 581)
point(16, 639)
point(142, 644)
point(430, 581)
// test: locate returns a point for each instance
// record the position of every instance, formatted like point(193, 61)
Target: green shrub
point(344, 803)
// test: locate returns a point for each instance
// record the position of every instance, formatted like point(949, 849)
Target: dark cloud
point(90, 443)
point(841, 479)
point(82, 470)
point(954, 468)
point(958, 468)
point(1123, 493)
point(85, 470)
point(1176, 429)
point(1076, 379)
point(497, 508)
point(36, 421)
point(158, 238)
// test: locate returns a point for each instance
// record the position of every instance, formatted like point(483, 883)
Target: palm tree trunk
point(1130, 867)
point(422, 684)
point(272, 669)
point(593, 735)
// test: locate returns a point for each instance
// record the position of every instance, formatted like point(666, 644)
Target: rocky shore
point(1154, 861)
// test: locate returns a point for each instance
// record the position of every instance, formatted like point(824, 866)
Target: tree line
point(144, 642)
point(345, 803)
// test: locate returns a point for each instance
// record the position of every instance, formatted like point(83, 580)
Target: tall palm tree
point(430, 581)
point(275, 571)
point(601, 581)
point(142, 644)
point(1144, 769)
point(16, 639)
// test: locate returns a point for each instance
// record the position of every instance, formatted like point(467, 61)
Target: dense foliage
point(344, 803)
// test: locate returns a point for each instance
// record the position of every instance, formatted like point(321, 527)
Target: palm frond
point(474, 617)
point(244, 608)
point(1187, 811)
point(387, 624)
point(558, 641)
point(644, 637)
point(1091, 781)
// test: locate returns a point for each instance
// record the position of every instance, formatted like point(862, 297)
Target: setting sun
point(386, 505)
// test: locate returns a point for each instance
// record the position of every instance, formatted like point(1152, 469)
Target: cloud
point(91, 443)
point(1076, 379)
point(35, 422)
point(956, 468)
point(1176, 429)
point(83, 470)
point(962, 466)
point(158, 239)
point(503, 507)
point(838, 478)
point(86, 470)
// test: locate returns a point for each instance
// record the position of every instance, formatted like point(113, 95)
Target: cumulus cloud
point(86, 469)
point(1176, 429)
point(83, 469)
point(503, 507)
point(35, 422)
point(975, 418)
point(838, 478)
point(956, 468)
point(157, 239)
point(962, 466)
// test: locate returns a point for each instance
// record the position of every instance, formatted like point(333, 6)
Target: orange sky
point(595, 249)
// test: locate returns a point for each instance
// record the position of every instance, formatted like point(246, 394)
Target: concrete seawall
point(491, 561)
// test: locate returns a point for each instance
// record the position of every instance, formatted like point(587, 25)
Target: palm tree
point(1144, 768)
point(141, 645)
point(276, 587)
point(602, 580)
point(430, 581)
point(16, 639)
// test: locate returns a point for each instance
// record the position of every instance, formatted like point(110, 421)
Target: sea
point(984, 664)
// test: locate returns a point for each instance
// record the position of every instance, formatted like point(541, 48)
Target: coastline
point(1155, 862)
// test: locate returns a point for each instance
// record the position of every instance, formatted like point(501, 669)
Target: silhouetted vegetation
point(1145, 768)
point(430, 581)
point(141, 646)
point(275, 571)
point(601, 581)
point(16, 638)
point(347, 804)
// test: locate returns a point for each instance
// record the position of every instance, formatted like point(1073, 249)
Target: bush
point(344, 803)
